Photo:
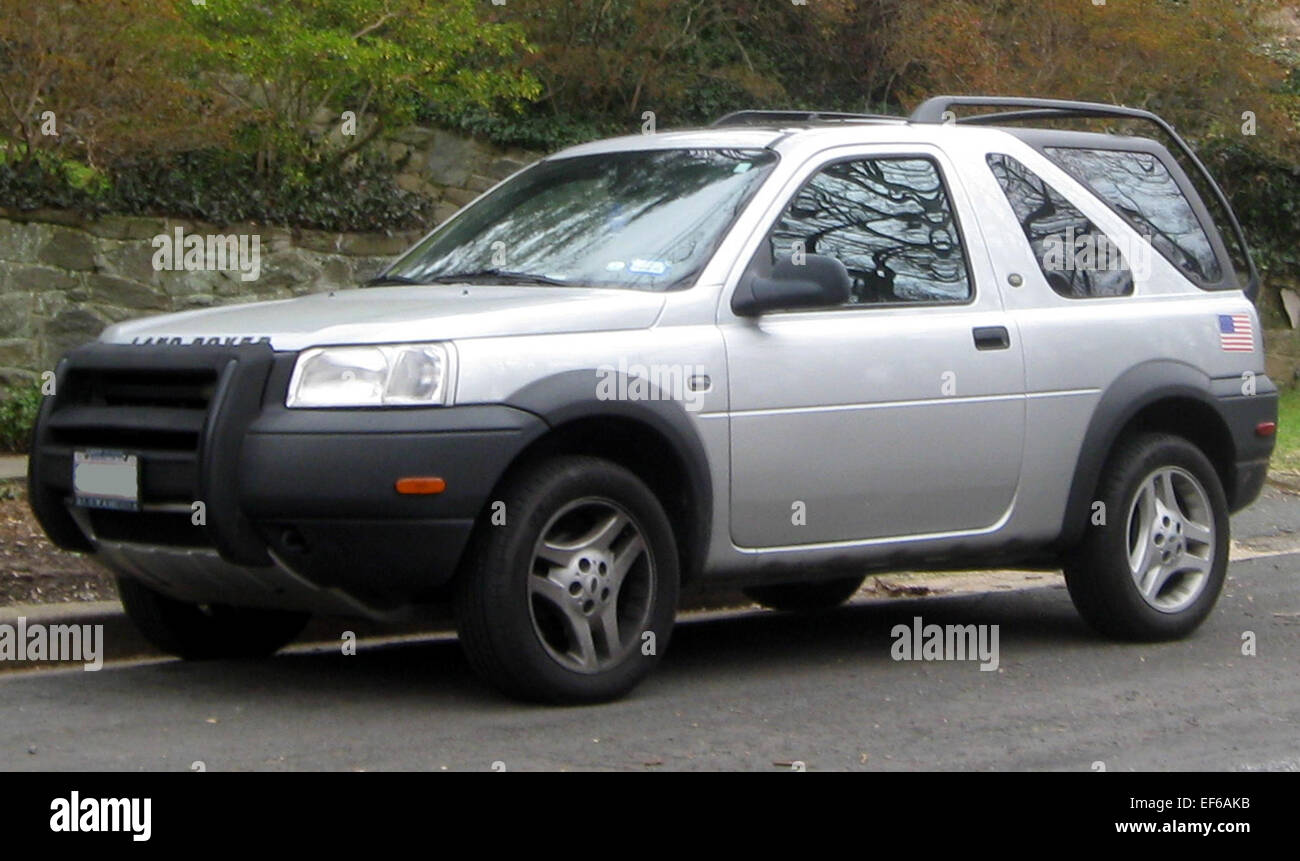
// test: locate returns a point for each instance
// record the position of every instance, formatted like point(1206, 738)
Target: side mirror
point(819, 282)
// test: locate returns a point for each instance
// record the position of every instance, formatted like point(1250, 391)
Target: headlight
point(382, 376)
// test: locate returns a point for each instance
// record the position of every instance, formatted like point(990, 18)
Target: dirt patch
point(34, 571)
point(915, 584)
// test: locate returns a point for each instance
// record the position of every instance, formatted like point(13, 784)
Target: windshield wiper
point(501, 275)
point(382, 280)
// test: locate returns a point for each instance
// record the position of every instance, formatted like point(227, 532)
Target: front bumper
point(299, 506)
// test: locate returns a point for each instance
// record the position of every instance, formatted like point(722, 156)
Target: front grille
point(187, 389)
point(182, 410)
point(158, 415)
point(113, 408)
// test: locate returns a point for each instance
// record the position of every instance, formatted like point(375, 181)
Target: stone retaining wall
point(64, 276)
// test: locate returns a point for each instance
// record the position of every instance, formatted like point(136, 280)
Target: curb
point(122, 641)
point(13, 466)
point(1288, 481)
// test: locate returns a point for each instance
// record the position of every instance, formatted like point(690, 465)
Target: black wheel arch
point(1169, 396)
point(654, 438)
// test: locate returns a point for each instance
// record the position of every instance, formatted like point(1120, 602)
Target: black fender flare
point(1132, 392)
point(573, 396)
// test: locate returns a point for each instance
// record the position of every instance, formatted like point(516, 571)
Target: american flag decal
point(1236, 333)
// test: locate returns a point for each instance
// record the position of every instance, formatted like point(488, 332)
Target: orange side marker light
point(420, 486)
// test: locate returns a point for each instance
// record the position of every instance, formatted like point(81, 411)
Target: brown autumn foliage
point(1202, 63)
point(680, 57)
point(107, 71)
point(1198, 62)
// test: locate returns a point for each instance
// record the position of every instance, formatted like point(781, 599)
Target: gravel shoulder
point(33, 571)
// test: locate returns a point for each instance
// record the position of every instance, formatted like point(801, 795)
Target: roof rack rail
point(741, 118)
point(939, 110)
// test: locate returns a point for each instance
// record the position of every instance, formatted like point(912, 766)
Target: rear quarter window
point(1140, 188)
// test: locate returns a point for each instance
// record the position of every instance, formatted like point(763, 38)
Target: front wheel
point(1154, 568)
point(572, 599)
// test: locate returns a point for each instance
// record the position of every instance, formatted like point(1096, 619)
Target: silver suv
point(776, 353)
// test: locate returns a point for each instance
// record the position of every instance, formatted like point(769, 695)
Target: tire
point(207, 632)
point(556, 604)
point(805, 597)
point(1154, 570)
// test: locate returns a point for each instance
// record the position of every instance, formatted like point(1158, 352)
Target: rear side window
point(1139, 187)
point(1078, 260)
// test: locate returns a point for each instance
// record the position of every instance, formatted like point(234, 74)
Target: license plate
point(106, 479)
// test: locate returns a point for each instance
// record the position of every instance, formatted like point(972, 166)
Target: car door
point(899, 414)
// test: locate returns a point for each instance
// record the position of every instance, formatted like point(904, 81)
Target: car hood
point(376, 315)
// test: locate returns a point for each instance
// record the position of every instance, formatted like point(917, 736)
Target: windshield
point(644, 220)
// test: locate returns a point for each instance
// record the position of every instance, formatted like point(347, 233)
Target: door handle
point(992, 338)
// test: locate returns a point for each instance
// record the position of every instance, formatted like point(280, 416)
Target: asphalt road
point(741, 691)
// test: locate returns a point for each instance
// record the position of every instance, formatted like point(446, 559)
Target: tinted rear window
point(1139, 187)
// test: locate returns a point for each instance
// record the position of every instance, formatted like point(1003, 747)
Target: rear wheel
point(805, 597)
point(1155, 569)
point(573, 598)
point(206, 631)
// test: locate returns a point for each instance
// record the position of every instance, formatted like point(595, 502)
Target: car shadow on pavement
point(731, 645)
point(1028, 620)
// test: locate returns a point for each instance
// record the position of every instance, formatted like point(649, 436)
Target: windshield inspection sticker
point(648, 267)
point(615, 266)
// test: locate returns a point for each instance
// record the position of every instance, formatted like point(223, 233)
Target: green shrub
point(1265, 194)
point(375, 58)
point(226, 187)
point(45, 183)
point(18, 408)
